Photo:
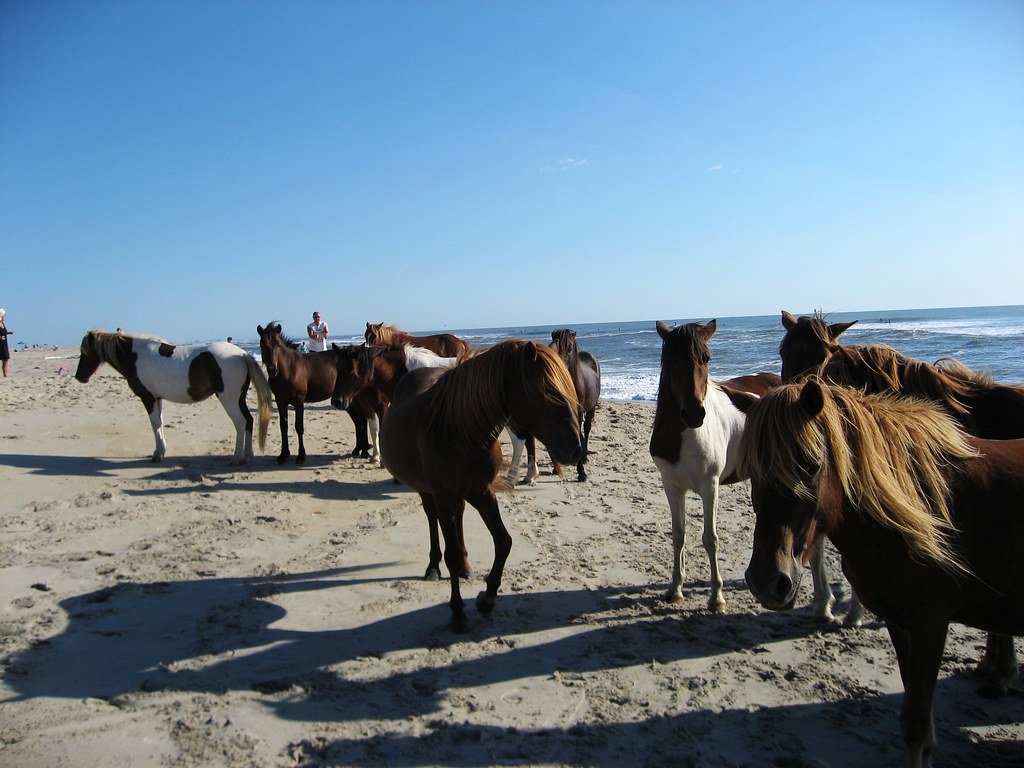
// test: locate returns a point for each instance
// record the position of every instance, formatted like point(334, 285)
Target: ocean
point(987, 339)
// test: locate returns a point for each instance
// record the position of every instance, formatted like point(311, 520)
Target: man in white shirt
point(318, 333)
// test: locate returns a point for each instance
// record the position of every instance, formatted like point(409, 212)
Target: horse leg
point(487, 505)
point(532, 473)
point(433, 572)
point(998, 667)
point(716, 602)
point(855, 614)
point(282, 415)
point(299, 430)
point(919, 652)
point(359, 423)
point(587, 422)
point(517, 455)
point(373, 427)
point(241, 418)
point(449, 514)
point(823, 597)
point(677, 508)
point(156, 419)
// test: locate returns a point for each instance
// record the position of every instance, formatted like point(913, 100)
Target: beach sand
point(190, 613)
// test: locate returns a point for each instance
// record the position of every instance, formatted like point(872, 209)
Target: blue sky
point(192, 169)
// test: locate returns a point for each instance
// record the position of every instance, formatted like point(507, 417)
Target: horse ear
point(663, 330)
point(337, 350)
point(812, 398)
point(743, 401)
point(277, 328)
point(709, 329)
point(554, 335)
point(259, 329)
point(837, 328)
point(788, 321)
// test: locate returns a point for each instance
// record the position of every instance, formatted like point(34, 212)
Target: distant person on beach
point(230, 340)
point(5, 351)
point(318, 333)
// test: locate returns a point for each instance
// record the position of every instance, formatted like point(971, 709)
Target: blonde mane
point(468, 403)
point(879, 369)
point(385, 333)
point(889, 456)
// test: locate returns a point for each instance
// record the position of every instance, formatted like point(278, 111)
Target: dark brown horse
point(371, 374)
point(297, 378)
point(444, 344)
point(809, 342)
point(586, 377)
point(696, 439)
point(927, 518)
point(440, 437)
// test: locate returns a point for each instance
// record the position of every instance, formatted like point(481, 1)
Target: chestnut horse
point(157, 370)
point(695, 440)
point(440, 437)
point(444, 344)
point(982, 406)
point(928, 520)
point(297, 378)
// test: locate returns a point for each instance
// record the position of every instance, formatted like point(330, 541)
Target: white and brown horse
point(157, 370)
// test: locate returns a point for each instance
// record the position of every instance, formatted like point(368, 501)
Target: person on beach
point(318, 333)
point(5, 351)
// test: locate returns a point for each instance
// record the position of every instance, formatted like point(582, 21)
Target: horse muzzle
point(693, 415)
point(341, 403)
point(775, 590)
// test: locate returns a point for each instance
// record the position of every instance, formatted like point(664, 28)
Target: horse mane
point(696, 346)
point(289, 342)
point(879, 368)
point(468, 401)
point(889, 455)
point(107, 345)
point(386, 333)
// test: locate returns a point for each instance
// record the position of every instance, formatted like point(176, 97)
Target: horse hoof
point(673, 598)
point(459, 625)
point(991, 689)
point(485, 603)
point(432, 574)
point(581, 477)
point(716, 607)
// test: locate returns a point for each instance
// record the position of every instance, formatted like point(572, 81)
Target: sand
point(190, 613)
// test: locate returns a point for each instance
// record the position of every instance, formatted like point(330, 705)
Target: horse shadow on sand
point(224, 634)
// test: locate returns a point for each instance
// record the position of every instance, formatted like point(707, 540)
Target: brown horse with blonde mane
point(928, 520)
point(440, 437)
point(444, 344)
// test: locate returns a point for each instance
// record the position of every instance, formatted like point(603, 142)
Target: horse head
point(808, 343)
point(543, 402)
point(372, 334)
point(794, 500)
point(352, 362)
point(271, 340)
point(563, 341)
point(90, 355)
point(685, 356)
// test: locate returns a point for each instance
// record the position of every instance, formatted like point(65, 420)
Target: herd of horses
point(913, 470)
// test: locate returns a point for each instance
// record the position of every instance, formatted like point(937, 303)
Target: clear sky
point(191, 169)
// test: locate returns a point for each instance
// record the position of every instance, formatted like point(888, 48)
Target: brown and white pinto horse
point(297, 378)
point(444, 344)
point(695, 441)
point(440, 437)
point(927, 518)
point(157, 370)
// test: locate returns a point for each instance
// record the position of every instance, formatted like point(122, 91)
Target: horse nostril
point(780, 587)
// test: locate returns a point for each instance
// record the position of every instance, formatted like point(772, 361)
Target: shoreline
point(191, 613)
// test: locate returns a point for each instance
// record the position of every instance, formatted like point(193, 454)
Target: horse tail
point(263, 397)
